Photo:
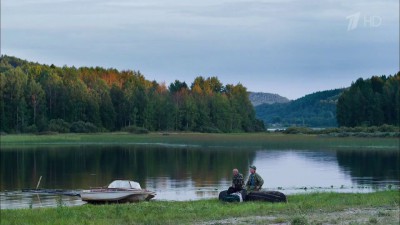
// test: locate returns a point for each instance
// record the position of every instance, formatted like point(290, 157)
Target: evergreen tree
point(373, 101)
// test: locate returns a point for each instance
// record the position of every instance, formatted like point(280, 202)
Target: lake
point(188, 173)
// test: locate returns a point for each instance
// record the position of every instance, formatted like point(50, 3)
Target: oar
point(37, 186)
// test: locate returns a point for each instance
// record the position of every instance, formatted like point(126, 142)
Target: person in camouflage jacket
point(237, 182)
point(255, 181)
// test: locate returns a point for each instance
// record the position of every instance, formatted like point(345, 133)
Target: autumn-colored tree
point(37, 97)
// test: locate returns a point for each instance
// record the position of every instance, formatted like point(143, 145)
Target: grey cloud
point(258, 43)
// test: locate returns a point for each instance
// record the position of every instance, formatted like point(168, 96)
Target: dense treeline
point(37, 98)
point(313, 110)
point(370, 102)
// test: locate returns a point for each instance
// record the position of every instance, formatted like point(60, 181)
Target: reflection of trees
point(378, 165)
point(83, 167)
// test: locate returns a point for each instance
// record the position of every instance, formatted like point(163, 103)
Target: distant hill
point(258, 98)
point(314, 110)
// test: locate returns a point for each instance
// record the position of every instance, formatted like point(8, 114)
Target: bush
point(59, 125)
point(135, 130)
point(31, 129)
point(210, 130)
point(47, 133)
point(373, 220)
point(83, 127)
point(259, 126)
point(299, 220)
point(372, 129)
point(329, 131)
point(298, 130)
point(388, 128)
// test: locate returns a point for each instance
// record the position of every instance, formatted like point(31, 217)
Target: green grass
point(300, 209)
point(237, 140)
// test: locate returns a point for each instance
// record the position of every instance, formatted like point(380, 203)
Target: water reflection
point(18, 199)
point(188, 173)
point(371, 167)
point(83, 167)
point(291, 169)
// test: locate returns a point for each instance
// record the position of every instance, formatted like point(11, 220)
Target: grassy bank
point(317, 208)
point(248, 140)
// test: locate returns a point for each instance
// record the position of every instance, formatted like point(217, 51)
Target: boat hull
point(100, 196)
point(266, 196)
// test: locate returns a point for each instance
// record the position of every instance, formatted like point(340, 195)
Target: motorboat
point(117, 191)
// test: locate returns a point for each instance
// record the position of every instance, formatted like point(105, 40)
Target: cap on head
point(253, 167)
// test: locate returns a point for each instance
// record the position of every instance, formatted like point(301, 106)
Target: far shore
point(203, 140)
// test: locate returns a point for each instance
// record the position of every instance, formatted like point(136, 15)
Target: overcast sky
point(288, 47)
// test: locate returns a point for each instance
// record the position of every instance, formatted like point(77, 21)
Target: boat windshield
point(124, 184)
point(135, 185)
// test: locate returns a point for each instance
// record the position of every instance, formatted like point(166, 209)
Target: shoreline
point(380, 207)
point(204, 140)
point(74, 201)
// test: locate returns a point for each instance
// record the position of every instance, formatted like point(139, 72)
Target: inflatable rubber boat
point(266, 196)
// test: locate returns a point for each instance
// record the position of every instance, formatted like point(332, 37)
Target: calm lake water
point(179, 173)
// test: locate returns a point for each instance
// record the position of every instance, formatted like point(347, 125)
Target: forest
point(370, 102)
point(41, 98)
point(313, 110)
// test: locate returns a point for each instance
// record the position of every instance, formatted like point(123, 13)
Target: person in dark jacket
point(255, 181)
